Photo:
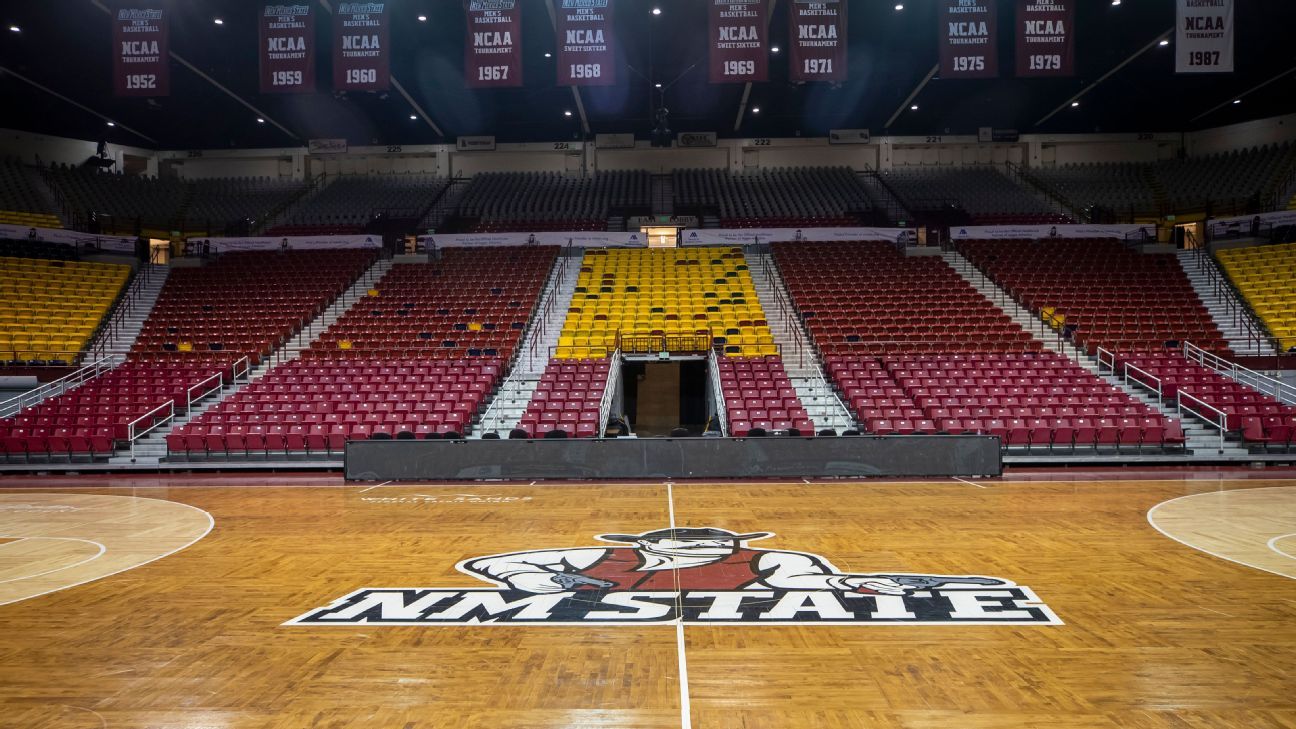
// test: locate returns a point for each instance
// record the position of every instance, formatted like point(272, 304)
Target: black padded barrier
point(651, 458)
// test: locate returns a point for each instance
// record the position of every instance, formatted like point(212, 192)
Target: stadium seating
point(535, 201)
point(913, 349)
point(1257, 417)
point(220, 201)
point(154, 201)
point(867, 298)
point(95, 418)
point(313, 407)
point(245, 303)
point(651, 300)
point(49, 310)
point(984, 193)
point(472, 303)
point(758, 394)
point(20, 203)
point(1107, 294)
point(1266, 277)
point(800, 197)
point(1115, 187)
point(349, 203)
point(567, 398)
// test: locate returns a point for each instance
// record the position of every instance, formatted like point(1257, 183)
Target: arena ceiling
point(62, 51)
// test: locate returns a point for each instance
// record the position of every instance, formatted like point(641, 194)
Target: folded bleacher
point(539, 201)
point(1266, 278)
point(349, 203)
point(1106, 294)
point(913, 349)
point(986, 195)
point(50, 309)
point(799, 197)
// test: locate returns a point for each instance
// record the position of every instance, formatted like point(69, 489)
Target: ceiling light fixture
point(548, 54)
point(1115, 2)
point(422, 18)
point(657, 86)
point(1164, 43)
point(899, 7)
point(413, 117)
point(774, 49)
point(218, 21)
point(567, 113)
point(1237, 101)
point(260, 120)
point(15, 29)
point(1074, 104)
point(111, 124)
point(755, 109)
point(913, 108)
point(656, 11)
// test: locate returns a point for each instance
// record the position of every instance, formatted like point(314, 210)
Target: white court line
point(1273, 544)
point(686, 718)
point(371, 488)
point(101, 547)
point(211, 524)
point(1168, 535)
point(969, 483)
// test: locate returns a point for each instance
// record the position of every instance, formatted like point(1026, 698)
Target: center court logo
point(704, 576)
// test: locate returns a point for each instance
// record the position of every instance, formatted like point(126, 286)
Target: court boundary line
point(969, 483)
point(686, 713)
point(211, 524)
point(1166, 534)
point(1273, 544)
point(102, 550)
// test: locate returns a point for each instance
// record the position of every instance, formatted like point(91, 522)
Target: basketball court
point(1103, 599)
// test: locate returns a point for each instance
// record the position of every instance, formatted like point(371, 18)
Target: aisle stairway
point(1219, 302)
point(131, 313)
point(800, 360)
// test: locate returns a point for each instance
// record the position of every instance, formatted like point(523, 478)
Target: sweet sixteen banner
point(738, 41)
point(586, 43)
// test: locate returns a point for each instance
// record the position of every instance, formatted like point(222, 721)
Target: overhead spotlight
point(567, 113)
point(657, 86)
point(656, 11)
point(1164, 42)
point(548, 54)
point(260, 120)
point(1074, 104)
point(899, 7)
point(913, 108)
point(218, 21)
point(1115, 2)
point(413, 117)
point(422, 18)
point(111, 124)
point(15, 29)
point(755, 109)
point(1237, 101)
point(774, 49)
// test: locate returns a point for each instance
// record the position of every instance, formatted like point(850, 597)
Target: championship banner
point(969, 39)
point(287, 49)
point(818, 30)
point(141, 51)
point(1045, 40)
point(493, 49)
point(361, 60)
point(738, 42)
point(586, 42)
point(1204, 36)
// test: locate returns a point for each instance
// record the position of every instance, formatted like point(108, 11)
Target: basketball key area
point(268, 601)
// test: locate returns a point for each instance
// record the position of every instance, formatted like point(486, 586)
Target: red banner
point(287, 49)
point(586, 44)
point(1045, 40)
point(141, 52)
point(739, 46)
point(969, 37)
point(361, 58)
point(493, 49)
point(818, 30)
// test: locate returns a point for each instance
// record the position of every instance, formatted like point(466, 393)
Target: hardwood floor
point(1155, 634)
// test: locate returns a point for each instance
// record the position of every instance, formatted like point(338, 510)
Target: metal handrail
point(717, 393)
point(219, 377)
point(1109, 361)
point(1279, 390)
point(11, 407)
point(788, 314)
point(1221, 422)
point(539, 322)
point(133, 435)
point(609, 392)
point(1160, 387)
point(246, 374)
point(1234, 305)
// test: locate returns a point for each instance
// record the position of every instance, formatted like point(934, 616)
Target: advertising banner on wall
point(361, 57)
point(737, 41)
point(741, 236)
point(968, 38)
point(295, 242)
point(141, 50)
point(1045, 38)
point(327, 146)
point(287, 49)
point(61, 237)
point(580, 239)
point(1204, 36)
point(493, 47)
point(586, 43)
point(1242, 225)
point(1044, 232)
point(818, 40)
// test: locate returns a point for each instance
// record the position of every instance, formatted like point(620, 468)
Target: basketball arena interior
point(729, 364)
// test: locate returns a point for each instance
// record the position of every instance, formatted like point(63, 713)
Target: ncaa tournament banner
point(580, 239)
point(295, 242)
point(818, 30)
point(141, 51)
point(287, 49)
point(1045, 40)
point(1044, 232)
point(740, 236)
point(361, 59)
point(493, 48)
point(586, 43)
point(738, 41)
point(969, 39)
point(1204, 36)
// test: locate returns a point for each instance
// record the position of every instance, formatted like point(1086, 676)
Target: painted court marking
point(1273, 544)
point(97, 555)
point(371, 488)
point(1242, 526)
point(686, 719)
point(969, 483)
